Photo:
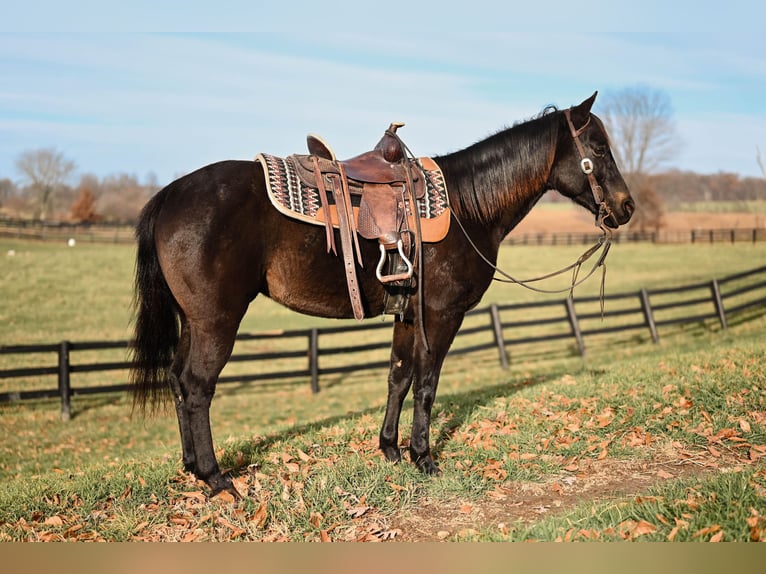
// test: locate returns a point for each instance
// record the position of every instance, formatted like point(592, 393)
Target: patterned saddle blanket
point(293, 190)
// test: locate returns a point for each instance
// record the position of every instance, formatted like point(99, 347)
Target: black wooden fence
point(364, 346)
point(122, 233)
point(739, 235)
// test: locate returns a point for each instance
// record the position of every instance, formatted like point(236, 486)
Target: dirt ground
point(544, 220)
point(600, 481)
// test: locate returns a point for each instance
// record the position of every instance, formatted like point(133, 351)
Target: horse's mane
point(503, 170)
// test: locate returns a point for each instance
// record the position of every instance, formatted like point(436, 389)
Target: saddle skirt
point(293, 191)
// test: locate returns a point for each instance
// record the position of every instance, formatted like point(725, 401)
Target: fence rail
point(648, 310)
point(122, 233)
point(738, 235)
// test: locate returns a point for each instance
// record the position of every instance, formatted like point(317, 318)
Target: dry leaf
point(357, 511)
point(259, 518)
point(54, 521)
point(644, 527)
point(744, 425)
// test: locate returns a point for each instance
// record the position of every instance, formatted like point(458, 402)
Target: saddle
point(380, 194)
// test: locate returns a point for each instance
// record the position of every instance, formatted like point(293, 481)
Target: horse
point(211, 241)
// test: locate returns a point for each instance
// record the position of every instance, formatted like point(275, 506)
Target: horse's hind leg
point(179, 361)
point(209, 347)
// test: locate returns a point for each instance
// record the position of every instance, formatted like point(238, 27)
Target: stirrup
point(395, 277)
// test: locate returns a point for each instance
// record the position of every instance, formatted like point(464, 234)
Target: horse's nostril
point(629, 207)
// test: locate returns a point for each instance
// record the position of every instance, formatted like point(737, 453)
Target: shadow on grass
point(460, 405)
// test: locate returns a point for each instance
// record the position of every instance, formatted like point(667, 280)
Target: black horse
point(211, 241)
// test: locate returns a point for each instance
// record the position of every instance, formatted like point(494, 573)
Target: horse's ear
point(581, 113)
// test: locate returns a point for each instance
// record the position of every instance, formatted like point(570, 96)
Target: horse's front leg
point(412, 365)
point(399, 382)
point(442, 326)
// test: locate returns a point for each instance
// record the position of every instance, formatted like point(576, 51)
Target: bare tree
point(7, 190)
point(46, 171)
point(760, 161)
point(644, 138)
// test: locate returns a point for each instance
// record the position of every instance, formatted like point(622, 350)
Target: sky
point(127, 88)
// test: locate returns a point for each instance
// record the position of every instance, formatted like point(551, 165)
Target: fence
point(256, 357)
point(739, 235)
point(121, 233)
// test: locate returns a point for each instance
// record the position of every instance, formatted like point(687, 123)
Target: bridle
point(604, 242)
point(586, 165)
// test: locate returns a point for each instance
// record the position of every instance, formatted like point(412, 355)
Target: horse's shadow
point(462, 406)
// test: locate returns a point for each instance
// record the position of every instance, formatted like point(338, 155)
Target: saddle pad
point(293, 197)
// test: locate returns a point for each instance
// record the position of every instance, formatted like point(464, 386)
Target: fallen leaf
point(54, 521)
point(644, 527)
point(259, 518)
point(744, 425)
point(226, 497)
point(195, 495)
point(708, 530)
point(663, 474)
point(357, 511)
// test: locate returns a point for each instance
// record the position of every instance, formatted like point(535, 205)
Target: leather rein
point(604, 242)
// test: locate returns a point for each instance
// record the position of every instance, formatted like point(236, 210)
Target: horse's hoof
point(426, 465)
point(392, 454)
point(220, 484)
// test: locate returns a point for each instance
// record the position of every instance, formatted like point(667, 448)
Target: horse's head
point(584, 168)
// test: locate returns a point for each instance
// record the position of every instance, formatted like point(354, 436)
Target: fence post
point(497, 329)
point(649, 315)
point(65, 390)
point(314, 359)
point(718, 302)
point(572, 316)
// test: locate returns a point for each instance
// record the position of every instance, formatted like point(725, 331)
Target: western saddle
point(385, 184)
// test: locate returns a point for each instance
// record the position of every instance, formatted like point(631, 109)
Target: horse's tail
point(156, 318)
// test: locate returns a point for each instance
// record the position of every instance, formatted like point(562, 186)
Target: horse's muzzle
point(620, 216)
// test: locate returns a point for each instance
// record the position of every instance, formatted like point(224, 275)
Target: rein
point(603, 243)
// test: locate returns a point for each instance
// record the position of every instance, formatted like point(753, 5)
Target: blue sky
point(127, 90)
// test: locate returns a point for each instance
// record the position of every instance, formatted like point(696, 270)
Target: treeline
point(676, 187)
point(120, 197)
point(114, 198)
point(673, 189)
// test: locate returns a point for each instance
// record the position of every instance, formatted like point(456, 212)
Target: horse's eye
point(599, 150)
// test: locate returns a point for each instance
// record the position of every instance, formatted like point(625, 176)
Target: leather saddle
point(383, 194)
point(383, 184)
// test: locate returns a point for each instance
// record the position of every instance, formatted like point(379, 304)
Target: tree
point(7, 190)
point(46, 171)
point(643, 132)
point(83, 210)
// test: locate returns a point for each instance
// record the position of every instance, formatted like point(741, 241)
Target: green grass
point(316, 461)
point(309, 463)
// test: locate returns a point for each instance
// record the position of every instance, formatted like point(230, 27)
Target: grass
point(309, 463)
point(316, 464)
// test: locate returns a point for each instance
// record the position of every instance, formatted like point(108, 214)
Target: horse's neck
point(494, 191)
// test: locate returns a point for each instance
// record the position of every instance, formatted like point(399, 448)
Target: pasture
point(634, 442)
